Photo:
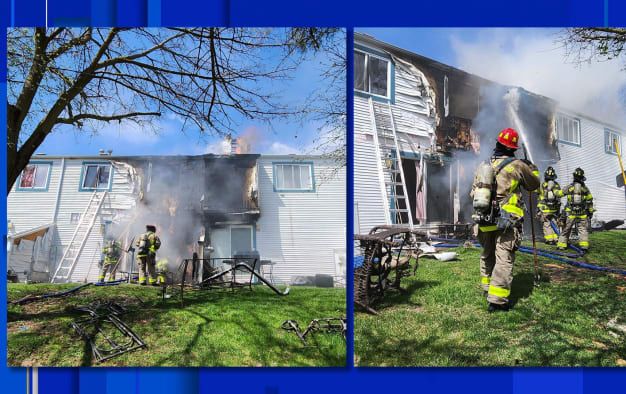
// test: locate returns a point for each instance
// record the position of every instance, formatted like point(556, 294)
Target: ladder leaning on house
point(390, 172)
point(79, 238)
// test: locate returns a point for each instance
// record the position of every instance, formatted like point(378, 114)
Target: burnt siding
point(302, 232)
point(415, 118)
point(600, 169)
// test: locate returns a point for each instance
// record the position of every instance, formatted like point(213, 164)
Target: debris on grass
point(333, 325)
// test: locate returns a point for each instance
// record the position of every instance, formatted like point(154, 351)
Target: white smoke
point(536, 61)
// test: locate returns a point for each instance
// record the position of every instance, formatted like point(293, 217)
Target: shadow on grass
point(403, 297)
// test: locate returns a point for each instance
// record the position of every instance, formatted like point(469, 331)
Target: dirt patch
point(621, 362)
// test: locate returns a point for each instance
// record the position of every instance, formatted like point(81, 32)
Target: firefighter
point(112, 251)
point(499, 211)
point(578, 211)
point(549, 206)
point(147, 245)
point(161, 270)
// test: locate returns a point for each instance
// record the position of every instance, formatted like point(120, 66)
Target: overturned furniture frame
point(226, 278)
point(99, 316)
point(386, 253)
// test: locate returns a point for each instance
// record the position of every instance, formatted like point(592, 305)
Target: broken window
point(611, 141)
point(96, 176)
point(293, 177)
point(35, 176)
point(371, 74)
point(568, 129)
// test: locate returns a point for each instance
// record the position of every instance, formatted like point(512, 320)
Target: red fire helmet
point(509, 137)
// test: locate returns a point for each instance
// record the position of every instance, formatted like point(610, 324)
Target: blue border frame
point(82, 174)
point(580, 130)
point(392, 76)
point(313, 186)
point(607, 130)
point(50, 164)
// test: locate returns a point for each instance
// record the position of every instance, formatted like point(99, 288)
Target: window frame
point(607, 133)
point(390, 74)
point(558, 135)
point(35, 189)
point(275, 165)
point(83, 173)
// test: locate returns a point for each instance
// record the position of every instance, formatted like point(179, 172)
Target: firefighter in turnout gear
point(499, 211)
point(549, 206)
point(112, 251)
point(161, 270)
point(147, 245)
point(578, 211)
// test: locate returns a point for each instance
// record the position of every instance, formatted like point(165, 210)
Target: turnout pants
point(581, 225)
point(549, 235)
point(147, 269)
point(496, 262)
point(107, 267)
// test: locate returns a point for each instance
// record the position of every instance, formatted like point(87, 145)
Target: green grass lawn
point(441, 318)
point(215, 328)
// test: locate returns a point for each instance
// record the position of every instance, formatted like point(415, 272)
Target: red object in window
point(28, 176)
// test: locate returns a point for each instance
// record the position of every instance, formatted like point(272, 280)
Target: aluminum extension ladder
point(390, 172)
point(65, 267)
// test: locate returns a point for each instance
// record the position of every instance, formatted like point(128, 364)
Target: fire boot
point(498, 307)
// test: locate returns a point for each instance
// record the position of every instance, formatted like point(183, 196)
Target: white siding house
point(438, 111)
point(300, 228)
point(583, 142)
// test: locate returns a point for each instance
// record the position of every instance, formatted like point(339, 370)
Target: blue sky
point(282, 136)
point(531, 58)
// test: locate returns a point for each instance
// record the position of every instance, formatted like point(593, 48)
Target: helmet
point(550, 174)
point(579, 174)
point(151, 227)
point(508, 137)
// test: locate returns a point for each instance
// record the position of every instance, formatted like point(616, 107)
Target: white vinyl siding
point(29, 210)
point(568, 129)
point(302, 232)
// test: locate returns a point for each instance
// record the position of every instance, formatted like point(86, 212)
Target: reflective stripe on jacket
point(510, 181)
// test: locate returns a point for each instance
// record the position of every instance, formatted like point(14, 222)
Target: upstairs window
point(35, 177)
point(568, 129)
point(371, 74)
point(612, 138)
point(96, 176)
point(293, 177)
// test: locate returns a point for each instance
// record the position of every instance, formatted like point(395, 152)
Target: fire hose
point(561, 257)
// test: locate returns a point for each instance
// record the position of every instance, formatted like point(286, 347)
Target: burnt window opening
point(371, 74)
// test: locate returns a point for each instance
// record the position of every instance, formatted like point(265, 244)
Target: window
point(611, 138)
point(371, 74)
point(96, 176)
point(241, 240)
point(293, 177)
point(568, 129)
point(35, 177)
point(74, 218)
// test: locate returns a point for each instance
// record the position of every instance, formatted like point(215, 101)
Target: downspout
point(58, 198)
point(56, 214)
